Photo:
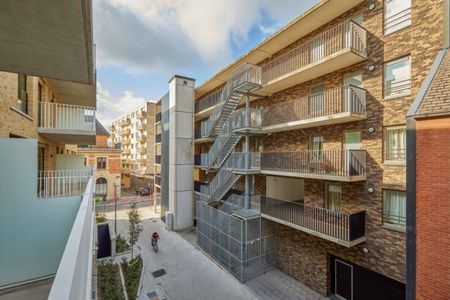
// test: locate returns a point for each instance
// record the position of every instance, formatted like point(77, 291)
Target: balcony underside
point(74, 93)
point(339, 60)
point(315, 176)
point(50, 38)
point(347, 244)
point(314, 122)
point(204, 140)
point(69, 136)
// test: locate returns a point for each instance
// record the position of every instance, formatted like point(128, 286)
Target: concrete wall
point(33, 231)
point(181, 158)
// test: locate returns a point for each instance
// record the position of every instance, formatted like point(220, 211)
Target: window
point(85, 161)
point(394, 207)
point(395, 144)
point(316, 147)
point(22, 93)
point(397, 78)
point(101, 186)
point(316, 100)
point(333, 197)
point(397, 15)
point(101, 162)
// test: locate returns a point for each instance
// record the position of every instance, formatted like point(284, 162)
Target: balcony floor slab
point(69, 136)
point(316, 176)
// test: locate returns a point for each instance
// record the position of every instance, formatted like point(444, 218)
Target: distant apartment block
point(135, 133)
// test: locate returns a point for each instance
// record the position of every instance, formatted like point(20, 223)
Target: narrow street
point(190, 274)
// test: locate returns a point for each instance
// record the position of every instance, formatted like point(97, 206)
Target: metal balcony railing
point(126, 141)
point(245, 78)
point(344, 99)
point(126, 131)
point(208, 101)
point(60, 183)
point(126, 151)
point(125, 122)
point(198, 184)
point(342, 163)
point(158, 138)
point(342, 36)
point(66, 116)
point(142, 139)
point(340, 226)
point(141, 115)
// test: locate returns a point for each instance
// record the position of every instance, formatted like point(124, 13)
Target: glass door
point(316, 100)
point(350, 82)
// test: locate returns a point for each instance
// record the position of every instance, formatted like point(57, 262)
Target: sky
point(141, 44)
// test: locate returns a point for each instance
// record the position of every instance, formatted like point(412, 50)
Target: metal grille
point(243, 247)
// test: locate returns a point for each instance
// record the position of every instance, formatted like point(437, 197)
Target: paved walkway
point(190, 274)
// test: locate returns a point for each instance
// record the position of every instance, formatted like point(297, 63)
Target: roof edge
point(412, 112)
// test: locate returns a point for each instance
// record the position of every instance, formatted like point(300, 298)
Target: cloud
point(110, 108)
point(170, 36)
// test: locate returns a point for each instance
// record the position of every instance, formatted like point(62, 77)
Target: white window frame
point(397, 21)
point(407, 83)
point(386, 140)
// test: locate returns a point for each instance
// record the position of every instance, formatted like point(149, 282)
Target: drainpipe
point(446, 24)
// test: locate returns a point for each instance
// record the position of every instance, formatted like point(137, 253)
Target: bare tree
point(135, 227)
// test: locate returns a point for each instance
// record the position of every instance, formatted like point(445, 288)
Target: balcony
point(125, 122)
point(126, 131)
point(126, 141)
point(142, 139)
point(61, 183)
point(66, 123)
point(158, 138)
point(338, 165)
point(158, 159)
point(336, 48)
point(205, 105)
point(126, 151)
point(142, 151)
point(142, 127)
point(334, 106)
point(158, 117)
point(344, 229)
point(158, 180)
point(141, 115)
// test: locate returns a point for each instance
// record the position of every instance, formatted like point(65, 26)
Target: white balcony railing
point(66, 116)
point(73, 279)
point(60, 183)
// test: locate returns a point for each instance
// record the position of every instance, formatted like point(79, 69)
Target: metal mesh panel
point(243, 247)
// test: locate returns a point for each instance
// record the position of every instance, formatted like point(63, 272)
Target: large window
point(397, 15)
point(333, 197)
point(395, 144)
point(397, 78)
point(394, 207)
point(101, 186)
point(22, 93)
point(101, 162)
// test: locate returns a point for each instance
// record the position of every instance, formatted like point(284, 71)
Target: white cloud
point(156, 35)
point(109, 108)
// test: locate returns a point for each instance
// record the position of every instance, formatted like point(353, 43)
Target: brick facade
point(307, 257)
point(433, 208)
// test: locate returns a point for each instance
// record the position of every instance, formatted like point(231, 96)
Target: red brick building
point(428, 235)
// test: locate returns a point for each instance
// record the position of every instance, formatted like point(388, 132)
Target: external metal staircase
point(244, 79)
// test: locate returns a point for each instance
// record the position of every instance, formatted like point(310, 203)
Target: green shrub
point(121, 244)
point(109, 284)
point(132, 273)
point(100, 218)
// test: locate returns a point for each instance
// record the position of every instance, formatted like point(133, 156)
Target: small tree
point(135, 227)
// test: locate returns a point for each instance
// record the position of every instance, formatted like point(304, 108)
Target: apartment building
point(106, 160)
point(135, 132)
point(47, 107)
point(300, 148)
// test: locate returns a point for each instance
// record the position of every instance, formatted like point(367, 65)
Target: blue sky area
point(140, 44)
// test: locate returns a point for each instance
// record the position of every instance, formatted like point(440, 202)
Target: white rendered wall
point(181, 155)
